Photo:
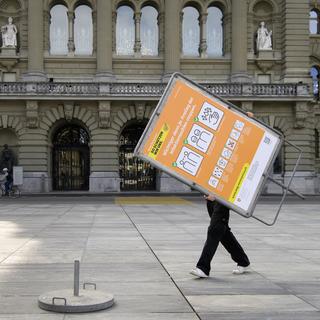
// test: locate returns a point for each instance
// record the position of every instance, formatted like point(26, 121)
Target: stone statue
point(264, 38)
point(7, 158)
point(9, 34)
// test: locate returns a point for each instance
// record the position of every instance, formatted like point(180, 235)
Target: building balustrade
point(155, 90)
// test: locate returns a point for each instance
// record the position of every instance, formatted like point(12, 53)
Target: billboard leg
point(286, 188)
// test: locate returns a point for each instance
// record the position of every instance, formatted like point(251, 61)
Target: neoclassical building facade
point(84, 77)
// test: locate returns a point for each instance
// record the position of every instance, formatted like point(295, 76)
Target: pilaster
point(104, 41)
point(172, 34)
point(35, 42)
point(239, 72)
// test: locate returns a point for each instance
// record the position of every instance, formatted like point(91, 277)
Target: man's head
point(5, 146)
point(5, 170)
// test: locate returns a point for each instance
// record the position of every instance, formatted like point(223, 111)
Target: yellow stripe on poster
point(239, 182)
point(159, 141)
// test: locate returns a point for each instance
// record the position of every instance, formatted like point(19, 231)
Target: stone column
point(171, 38)
point(161, 33)
point(137, 42)
point(71, 17)
point(203, 34)
point(239, 42)
point(104, 41)
point(35, 42)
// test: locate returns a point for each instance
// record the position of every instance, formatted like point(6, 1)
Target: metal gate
point(71, 159)
point(135, 174)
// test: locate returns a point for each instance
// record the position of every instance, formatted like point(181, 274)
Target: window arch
point(125, 31)
point(190, 31)
point(314, 73)
point(314, 21)
point(83, 30)
point(149, 31)
point(214, 32)
point(59, 30)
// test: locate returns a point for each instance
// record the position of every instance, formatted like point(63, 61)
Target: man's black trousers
point(219, 231)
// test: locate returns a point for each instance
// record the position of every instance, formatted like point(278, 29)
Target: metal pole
point(284, 187)
point(76, 278)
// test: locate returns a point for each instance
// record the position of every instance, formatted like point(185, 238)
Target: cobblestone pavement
point(141, 250)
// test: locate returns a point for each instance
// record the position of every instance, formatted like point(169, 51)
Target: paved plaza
point(141, 250)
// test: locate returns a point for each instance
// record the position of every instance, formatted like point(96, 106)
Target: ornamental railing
point(67, 88)
point(12, 87)
point(137, 89)
point(155, 90)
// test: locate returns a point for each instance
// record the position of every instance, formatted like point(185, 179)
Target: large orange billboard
point(209, 144)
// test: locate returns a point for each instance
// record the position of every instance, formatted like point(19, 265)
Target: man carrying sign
point(219, 231)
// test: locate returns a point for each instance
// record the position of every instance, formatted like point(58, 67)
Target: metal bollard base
point(65, 301)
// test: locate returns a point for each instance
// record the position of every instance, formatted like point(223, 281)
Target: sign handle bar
point(285, 188)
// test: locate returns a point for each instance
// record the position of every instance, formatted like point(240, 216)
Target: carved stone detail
point(140, 108)
point(104, 114)
point(265, 60)
point(301, 113)
point(68, 111)
point(32, 114)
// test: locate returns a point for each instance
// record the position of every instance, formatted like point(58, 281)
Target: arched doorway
point(71, 158)
point(135, 174)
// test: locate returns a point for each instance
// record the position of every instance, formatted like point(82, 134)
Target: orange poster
point(209, 144)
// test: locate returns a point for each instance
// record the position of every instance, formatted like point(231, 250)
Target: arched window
point(214, 32)
point(83, 30)
point(190, 32)
point(317, 144)
point(314, 72)
point(314, 21)
point(149, 31)
point(59, 30)
point(125, 33)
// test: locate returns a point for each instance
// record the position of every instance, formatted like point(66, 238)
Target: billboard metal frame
point(265, 176)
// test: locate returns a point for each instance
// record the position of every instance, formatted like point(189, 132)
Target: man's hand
point(210, 197)
point(250, 114)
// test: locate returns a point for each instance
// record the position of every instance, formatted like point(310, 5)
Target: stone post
point(171, 38)
point(35, 42)
point(71, 17)
point(203, 35)
point(137, 42)
point(104, 41)
point(239, 42)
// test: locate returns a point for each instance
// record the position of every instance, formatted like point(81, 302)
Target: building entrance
point(71, 159)
point(135, 174)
